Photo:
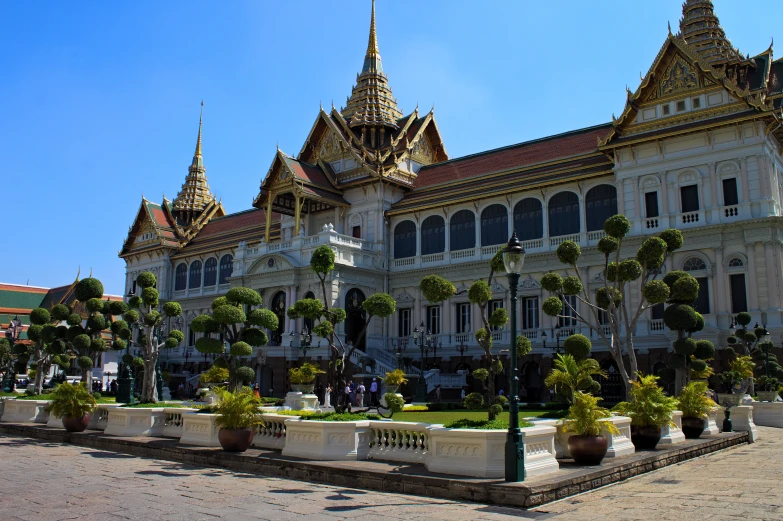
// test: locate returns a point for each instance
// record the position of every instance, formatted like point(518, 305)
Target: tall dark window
point(651, 204)
point(563, 214)
point(433, 235)
point(226, 268)
point(279, 309)
point(657, 311)
point(355, 318)
point(210, 272)
point(528, 219)
point(405, 240)
point(195, 275)
point(529, 312)
point(433, 319)
point(702, 304)
point(180, 277)
point(739, 299)
point(689, 197)
point(600, 204)
point(356, 232)
point(730, 197)
point(463, 317)
point(462, 230)
point(308, 322)
point(494, 225)
point(568, 318)
point(191, 336)
point(404, 322)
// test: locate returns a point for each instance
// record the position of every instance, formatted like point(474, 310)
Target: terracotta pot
point(235, 440)
point(587, 450)
point(692, 427)
point(646, 437)
point(72, 424)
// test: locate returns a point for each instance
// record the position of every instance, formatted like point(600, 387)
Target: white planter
point(481, 453)
point(55, 421)
point(272, 434)
point(767, 414)
point(2, 404)
point(100, 416)
point(334, 441)
point(673, 435)
point(767, 396)
point(741, 421)
point(199, 429)
point(301, 402)
point(132, 422)
point(26, 411)
point(172, 424)
point(712, 427)
point(619, 444)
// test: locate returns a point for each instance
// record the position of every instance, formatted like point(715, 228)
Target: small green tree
point(750, 344)
point(607, 312)
point(147, 315)
point(235, 321)
point(436, 289)
point(691, 358)
point(327, 318)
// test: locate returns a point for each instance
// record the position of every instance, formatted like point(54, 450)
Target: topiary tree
point(240, 326)
point(146, 312)
point(436, 289)
point(327, 318)
point(691, 358)
point(607, 312)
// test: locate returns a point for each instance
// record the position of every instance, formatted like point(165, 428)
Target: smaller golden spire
point(198, 141)
point(372, 44)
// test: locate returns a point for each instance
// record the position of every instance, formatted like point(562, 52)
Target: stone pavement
point(45, 481)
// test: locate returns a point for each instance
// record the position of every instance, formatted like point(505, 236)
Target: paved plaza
point(45, 481)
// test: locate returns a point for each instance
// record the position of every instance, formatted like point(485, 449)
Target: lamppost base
point(515, 456)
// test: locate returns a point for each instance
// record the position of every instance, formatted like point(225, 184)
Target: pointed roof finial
point(669, 24)
point(194, 195)
point(372, 43)
point(198, 142)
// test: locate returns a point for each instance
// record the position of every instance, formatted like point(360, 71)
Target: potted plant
point(767, 388)
point(695, 405)
point(73, 403)
point(303, 377)
point(394, 379)
point(733, 382)
point(649, 409)
point(236, 415)
point(586, 421)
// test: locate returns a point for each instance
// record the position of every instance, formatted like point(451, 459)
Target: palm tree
point(571, 375)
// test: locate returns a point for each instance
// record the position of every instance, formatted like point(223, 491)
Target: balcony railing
point(651, 224)
point(557, 241)
point(461, 254)
point(690, 218)
point(656, 326)
point(731, 211)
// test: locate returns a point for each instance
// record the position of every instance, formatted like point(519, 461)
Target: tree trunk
point(149, 392)
point(87, 378)
point(39, 375)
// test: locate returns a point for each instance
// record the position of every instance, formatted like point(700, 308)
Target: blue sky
point(100, 100)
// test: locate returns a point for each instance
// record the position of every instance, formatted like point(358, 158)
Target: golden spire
point(371, 102)
point(372, 44)
point(194, 195)
point(701, 29)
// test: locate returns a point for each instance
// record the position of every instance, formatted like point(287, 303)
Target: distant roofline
point(523, 143)
point(236, 213)
point(22, 286)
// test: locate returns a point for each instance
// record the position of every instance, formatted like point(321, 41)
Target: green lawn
point(443, 417)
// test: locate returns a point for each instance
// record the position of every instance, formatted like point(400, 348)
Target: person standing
point(437, 393)
point(328, 396)
point(347, 398)
point(256, 392)
point(374, 392)
point(360, 395)
point(462, 395)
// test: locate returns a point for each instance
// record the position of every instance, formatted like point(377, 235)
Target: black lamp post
point(421, 338)
point(462, 348)
point(305, 341)
point(125, 382)
point(513, 260)
point(398, 347)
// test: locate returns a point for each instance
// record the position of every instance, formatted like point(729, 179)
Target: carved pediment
point(529, 283)
point(679, 76)
point(497, 288)
point(404, 297)
point(599, 277)
point(330, 146)
point(422, 151)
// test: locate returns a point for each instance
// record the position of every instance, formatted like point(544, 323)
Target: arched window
point(462, 230)
point(600, 204)
point(195, 275)
point(528, 219)
point(564, 214)
point(308, 322)
point(694, 264)
point(279, 309)
point(181, 277)
point(226, 268)
point(433, 235)
point(494, 225)
point(210, 272)
point(736, 262)
point(405, 240)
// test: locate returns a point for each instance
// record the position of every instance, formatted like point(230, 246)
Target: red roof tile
point(235, 221)
point(578, 142)
point(308, 172)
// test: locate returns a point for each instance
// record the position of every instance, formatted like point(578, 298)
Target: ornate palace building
point(697, 147)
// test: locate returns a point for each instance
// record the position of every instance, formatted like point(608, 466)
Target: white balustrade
point(405, 442)
point(530, 334)
point(408, 261)
point(172, 423)
point(533, 244)
point(730, 211)
point(596, 235)
point(651, 224)
point(434, 257)
point(690, 218)
point(557, 241)
point(492, 250)
point(462, 254)
point(656, 326)
point(271, 433)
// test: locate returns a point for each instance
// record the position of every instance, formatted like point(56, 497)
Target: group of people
point(351, 394)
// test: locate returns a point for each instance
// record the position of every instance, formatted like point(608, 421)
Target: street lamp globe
point(514, 256)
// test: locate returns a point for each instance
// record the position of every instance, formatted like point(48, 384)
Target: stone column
point(290, 302)
point(744, 186)
point(715, 204)
point(773, 282)
point(753, 294)
point(447, 238)
point(722, 304)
